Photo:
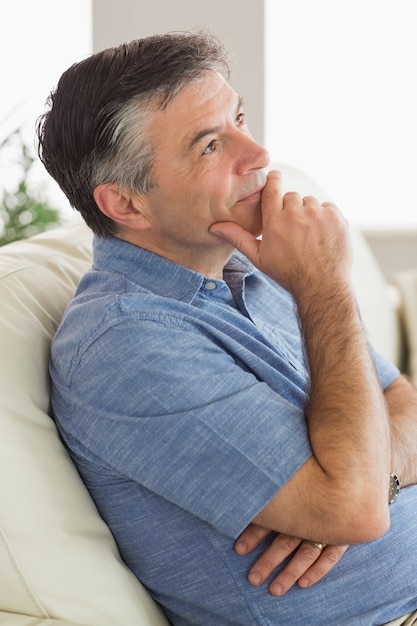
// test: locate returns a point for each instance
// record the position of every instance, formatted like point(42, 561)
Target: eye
point(241, 119)
point(210, 148)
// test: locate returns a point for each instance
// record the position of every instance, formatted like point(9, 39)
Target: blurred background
point(328, 87)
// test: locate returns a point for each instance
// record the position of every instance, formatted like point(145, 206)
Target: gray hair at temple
point(96, 128)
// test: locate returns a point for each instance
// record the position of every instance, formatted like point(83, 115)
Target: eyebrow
point(210, 131)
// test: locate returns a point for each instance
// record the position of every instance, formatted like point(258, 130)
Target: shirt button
point(210, 285)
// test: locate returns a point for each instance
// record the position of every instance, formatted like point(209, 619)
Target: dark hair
point(96, 128)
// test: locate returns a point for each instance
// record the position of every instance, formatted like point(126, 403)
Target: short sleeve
point(387, 372)
point(203, 432)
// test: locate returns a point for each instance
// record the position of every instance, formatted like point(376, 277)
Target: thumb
point(240, 238)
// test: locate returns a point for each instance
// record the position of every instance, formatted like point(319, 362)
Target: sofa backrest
point(57, 557)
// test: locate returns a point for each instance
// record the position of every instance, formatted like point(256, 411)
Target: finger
point(306, 555)
point(250, 538)
point(330, 205)
point(292, 200)
point(311, 202)
point(312, 206)
point(308, 565)
point(240, 238)
point(272, 200)
point(328, 559)
point(274, 555)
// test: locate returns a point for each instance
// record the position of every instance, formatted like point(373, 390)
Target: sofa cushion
point(57, 557)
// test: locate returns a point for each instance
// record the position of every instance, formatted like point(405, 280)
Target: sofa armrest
point(15, 619)
point(405, 282)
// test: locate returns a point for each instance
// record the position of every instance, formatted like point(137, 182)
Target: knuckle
point(270, 196)
point(309, 553)
point(310, 200)
point(332, 557)
point(290, 577)
point(292, 198)
point(288, 543)
point(254, 534)
point(266, 564)
point(258, 532)
point(334, 553)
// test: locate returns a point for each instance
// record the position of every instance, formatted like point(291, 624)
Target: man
point(209, 395)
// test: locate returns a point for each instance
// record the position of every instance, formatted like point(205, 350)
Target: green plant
point(23, 211)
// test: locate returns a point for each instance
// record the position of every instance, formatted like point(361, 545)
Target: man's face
point(207, 169)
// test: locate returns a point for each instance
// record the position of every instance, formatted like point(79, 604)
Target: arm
point(339, 495)
point(308, 564)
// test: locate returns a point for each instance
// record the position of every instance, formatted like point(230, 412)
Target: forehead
point(201, 107)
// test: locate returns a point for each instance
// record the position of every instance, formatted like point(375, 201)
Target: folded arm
point(309, 564)
point(358, 433)
point(340, 494)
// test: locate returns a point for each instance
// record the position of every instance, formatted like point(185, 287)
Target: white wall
point(39, 40)
point(341, 102)
point(239, 24)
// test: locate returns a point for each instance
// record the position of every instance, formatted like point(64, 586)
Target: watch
point(394, 488)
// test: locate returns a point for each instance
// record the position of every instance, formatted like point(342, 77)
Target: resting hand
point(304, 244)
point(308, 565)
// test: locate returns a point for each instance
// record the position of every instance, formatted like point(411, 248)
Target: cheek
point(215, 180)
point(205, 195)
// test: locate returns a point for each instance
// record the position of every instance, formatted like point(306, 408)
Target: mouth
point(254, 195)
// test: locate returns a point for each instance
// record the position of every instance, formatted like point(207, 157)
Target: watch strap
point(394, 488)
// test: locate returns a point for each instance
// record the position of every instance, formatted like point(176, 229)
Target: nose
point(251, 155)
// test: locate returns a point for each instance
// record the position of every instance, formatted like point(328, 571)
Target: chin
point(255, 228)
point(252, 222)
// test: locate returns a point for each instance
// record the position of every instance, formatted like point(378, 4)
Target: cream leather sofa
point(59, 565)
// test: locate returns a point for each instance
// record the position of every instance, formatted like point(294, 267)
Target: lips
point(252, 195)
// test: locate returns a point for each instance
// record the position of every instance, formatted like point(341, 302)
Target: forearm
point(401, 398)
point(340, 494)
point(347, 415)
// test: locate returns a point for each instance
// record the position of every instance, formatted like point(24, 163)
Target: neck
point(209, 260)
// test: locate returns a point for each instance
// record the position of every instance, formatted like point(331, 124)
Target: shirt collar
point(155, 273)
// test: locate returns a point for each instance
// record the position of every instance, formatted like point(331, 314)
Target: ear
point(120, 207)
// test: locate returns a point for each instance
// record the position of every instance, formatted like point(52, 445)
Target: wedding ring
point(320, 546)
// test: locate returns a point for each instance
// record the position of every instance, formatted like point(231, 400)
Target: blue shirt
point(181, 399)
